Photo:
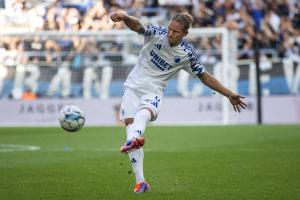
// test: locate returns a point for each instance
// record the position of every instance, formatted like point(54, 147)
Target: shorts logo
point(154, 101)
point(122, 111)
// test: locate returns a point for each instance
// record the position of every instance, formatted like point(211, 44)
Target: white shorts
point(133, 101)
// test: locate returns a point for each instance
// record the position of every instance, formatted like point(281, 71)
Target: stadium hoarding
point(45, 112)
point(208, 110)
point(175, 111)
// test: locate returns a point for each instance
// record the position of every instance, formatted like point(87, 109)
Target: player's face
point(175, 33)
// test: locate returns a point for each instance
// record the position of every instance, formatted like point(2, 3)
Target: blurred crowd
point(276, 22)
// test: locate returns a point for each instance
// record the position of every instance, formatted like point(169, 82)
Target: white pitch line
point(16, 147)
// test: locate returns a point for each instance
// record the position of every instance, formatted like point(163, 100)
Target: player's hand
point(237, 103)
point(118, 16)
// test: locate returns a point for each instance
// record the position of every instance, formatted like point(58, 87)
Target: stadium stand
point(78, 57)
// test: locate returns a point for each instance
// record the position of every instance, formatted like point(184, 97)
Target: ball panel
point(71, 118)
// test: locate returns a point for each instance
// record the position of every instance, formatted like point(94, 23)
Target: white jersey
point(158, 62)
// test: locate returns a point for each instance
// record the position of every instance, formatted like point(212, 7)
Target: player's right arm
point(131, 22)
point(213, 83)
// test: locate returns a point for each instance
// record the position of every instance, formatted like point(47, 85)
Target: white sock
point(137, 128)
point(134, 130)
point(137, 159)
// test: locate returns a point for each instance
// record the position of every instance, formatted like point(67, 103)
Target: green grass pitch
point(205, 162)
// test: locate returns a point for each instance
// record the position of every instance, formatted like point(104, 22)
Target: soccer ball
point(71, 118)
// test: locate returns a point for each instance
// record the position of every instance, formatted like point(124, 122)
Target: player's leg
point(129, 105)
point(147, 110)
point(134, 147)
point(135, 128)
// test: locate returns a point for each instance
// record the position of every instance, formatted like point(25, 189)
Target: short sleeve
point(195, 65)
point(152, 31)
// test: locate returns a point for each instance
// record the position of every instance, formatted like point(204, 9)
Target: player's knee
point(128, 121)
point(153, 116)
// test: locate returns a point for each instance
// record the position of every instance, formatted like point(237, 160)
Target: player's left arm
point(213, 83)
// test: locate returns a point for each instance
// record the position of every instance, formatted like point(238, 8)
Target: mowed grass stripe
point(214, 162)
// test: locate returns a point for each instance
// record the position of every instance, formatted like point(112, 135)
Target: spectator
point(28, 95)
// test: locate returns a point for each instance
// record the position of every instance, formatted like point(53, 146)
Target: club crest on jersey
point(158, 46)
point(176, 59)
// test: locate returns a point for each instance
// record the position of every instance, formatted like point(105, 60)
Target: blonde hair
point(185, 19)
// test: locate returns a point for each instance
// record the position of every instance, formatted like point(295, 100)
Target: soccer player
point(164, 53)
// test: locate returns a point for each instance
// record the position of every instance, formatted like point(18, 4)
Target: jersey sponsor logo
point(159, 62)
point(158, 46)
